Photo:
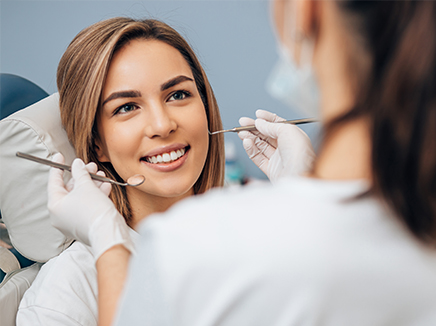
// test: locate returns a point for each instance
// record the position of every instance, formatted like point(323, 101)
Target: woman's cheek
point(202, 135)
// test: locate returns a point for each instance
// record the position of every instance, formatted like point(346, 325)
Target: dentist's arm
point(83, 211)
point(279, 150)
point(112, 267)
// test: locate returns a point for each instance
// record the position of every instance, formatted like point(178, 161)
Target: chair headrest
point(17, 93)
point(35, 130)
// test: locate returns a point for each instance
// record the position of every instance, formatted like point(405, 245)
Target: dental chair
point(36, 130)
point(17, 93)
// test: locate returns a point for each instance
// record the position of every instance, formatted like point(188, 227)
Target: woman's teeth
point(166, 157)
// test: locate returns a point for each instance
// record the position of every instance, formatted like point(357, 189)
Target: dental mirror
point(133, 181)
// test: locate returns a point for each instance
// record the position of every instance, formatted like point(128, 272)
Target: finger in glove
point(268, 116)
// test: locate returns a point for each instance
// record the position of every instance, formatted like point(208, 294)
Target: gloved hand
point(279, 150)
point(83, 211)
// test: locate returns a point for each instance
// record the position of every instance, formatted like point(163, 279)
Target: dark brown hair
point(398, 96)
point(81, 75)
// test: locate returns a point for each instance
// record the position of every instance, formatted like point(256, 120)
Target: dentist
point(348, 239)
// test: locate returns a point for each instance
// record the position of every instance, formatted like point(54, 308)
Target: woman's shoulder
point(74, 259)
point(65, 286)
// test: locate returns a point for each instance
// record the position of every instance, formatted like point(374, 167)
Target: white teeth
point(166, 157)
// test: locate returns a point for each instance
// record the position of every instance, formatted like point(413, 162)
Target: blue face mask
point(295, 85)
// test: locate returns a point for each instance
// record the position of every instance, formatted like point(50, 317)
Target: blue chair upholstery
point(17, 93)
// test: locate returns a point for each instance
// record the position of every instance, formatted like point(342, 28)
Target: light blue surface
point(234, 41)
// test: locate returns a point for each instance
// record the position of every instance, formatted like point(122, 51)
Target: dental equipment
point(253, 128)
point(133, 181)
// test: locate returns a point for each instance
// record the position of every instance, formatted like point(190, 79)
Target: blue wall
point(234, 41)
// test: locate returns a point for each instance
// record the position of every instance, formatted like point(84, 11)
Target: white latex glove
point(91, 168)
point(279, 150)
point(83, 211)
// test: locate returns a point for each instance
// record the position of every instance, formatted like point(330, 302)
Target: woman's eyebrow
point(133, 93)
point(121, 94)
point(174, 81)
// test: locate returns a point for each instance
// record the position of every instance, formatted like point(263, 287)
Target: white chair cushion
point(35, 130)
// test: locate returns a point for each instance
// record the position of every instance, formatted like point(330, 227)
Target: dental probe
point(135, 180)
point(253, 127)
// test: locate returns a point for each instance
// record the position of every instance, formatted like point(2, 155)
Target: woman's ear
point(98, 148)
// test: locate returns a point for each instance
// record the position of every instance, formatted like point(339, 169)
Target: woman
point(350, 243)
point(88, 84)
point(134, 99)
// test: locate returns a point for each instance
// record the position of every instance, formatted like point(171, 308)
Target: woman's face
point(151, 120)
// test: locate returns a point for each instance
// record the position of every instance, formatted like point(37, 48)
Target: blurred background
point(234, 41)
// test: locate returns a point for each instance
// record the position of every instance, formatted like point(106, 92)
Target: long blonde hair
point(81, 75)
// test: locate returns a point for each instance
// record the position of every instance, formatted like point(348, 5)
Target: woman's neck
point(143, 204)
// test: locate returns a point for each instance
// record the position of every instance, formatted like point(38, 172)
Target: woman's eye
point(179, 95)
point(125, 108)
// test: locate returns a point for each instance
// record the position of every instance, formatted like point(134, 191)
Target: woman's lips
point(167, 162)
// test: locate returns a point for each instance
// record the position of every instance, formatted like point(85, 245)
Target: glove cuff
point(108, 230)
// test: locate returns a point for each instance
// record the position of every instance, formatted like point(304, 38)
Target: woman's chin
point(167, 191)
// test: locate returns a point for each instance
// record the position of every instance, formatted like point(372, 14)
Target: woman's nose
point(159, 123)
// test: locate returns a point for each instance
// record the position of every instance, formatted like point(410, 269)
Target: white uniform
point(64, 291)
point(299, 253)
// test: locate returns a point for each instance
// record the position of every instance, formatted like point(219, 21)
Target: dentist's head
point(373, 65)
point(324, 58)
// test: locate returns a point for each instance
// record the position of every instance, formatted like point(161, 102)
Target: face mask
point(295, 85)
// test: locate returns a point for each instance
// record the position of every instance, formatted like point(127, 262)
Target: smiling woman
point(136, 79)
point(134, 99)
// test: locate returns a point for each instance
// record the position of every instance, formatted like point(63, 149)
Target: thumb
point(55, 187)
